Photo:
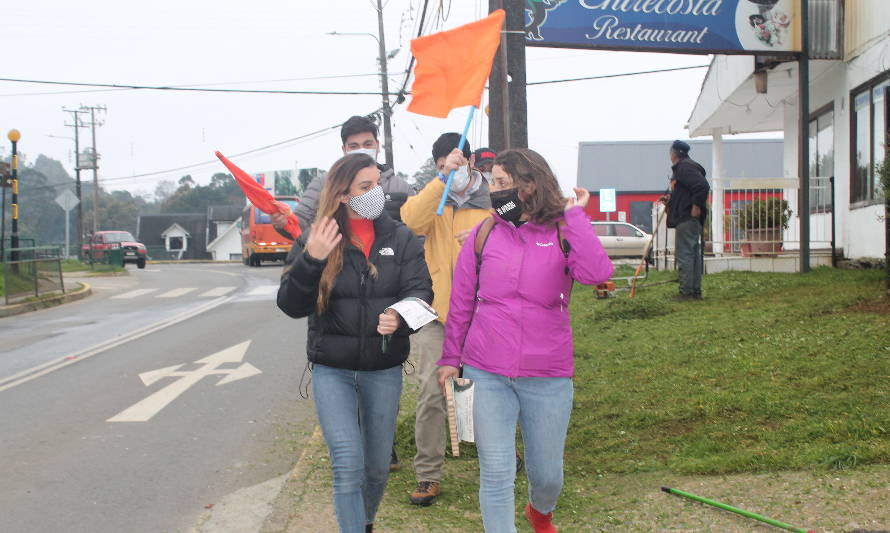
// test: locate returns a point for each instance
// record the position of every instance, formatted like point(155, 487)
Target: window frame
point(873, 197)
point(827, 109)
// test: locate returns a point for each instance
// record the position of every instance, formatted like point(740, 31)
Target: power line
point(180, 86)
point(196, 89)
point(304, 137)
point(623, 74)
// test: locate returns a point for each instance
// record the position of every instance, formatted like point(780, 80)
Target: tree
point(186, 182)
point(425, 174)
point(164, 190)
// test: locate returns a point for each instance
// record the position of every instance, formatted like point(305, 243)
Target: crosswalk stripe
point(175, 293)
point(217, 291)
point(263, 290)
point(133, 294)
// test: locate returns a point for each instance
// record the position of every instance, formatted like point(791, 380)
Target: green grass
point(75, 265)
point(771, 372)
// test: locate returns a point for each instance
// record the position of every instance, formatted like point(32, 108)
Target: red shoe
point(541, 523)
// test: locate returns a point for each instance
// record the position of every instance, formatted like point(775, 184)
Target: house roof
point(224, 213)
point(233, 228)
point(152, 228)
point(175, 228)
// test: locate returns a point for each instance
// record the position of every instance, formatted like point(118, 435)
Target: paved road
point(89, 445)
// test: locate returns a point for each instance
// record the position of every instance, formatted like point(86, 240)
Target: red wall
point(622, 200)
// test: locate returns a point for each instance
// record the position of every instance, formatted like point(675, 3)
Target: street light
point(384, 82)
point(14, 137)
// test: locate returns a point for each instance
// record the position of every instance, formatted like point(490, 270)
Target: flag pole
point(460, 146)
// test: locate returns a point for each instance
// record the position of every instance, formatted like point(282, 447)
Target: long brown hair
point(336, 184)
point(545, 203)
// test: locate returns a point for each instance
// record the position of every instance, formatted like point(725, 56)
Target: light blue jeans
point(357, 414)
point(543, 407)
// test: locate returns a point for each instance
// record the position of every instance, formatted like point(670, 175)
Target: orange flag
point(452, 66)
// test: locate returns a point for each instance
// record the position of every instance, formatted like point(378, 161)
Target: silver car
point(621, 239)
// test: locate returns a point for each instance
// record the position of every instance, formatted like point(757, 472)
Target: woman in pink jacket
point(509, 328)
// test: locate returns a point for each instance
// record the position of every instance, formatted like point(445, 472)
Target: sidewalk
point(304, 504)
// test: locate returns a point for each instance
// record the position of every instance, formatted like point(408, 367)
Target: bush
point(765, 213)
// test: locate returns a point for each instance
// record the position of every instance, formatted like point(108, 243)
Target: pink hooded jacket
point(519, 324)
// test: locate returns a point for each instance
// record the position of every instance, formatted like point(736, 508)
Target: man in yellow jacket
point(467, 205)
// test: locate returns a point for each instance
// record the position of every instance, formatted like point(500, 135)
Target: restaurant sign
point(768, 27)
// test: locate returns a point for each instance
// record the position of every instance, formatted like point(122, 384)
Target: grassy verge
point(771, 373)
point(75, 265)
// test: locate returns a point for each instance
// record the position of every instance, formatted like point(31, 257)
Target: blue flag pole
point(460, 146)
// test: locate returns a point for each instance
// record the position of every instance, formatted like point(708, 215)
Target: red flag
point(260, 197)
point(452, 66)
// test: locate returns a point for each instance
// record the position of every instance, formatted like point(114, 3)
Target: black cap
point(680, 147)
point(484, 155)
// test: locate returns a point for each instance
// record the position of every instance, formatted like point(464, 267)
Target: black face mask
point(507, 205)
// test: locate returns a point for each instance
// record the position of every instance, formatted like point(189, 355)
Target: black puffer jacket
point(690, 187)
point(345, 335)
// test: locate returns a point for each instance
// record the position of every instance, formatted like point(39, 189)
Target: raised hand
point(454, 161)
point(323, 238)
point(582, 197)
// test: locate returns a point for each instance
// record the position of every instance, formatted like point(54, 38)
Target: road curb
point(304, 504)
point(44, 303)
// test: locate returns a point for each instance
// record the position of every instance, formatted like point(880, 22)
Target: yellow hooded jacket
point(441, 246)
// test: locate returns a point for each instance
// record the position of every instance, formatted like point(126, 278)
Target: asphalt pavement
point(141, 407)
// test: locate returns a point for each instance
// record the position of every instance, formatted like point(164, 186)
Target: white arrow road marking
point(264, 290)
point(149, 407)
point(132, 294)
point(217, 291)
point(175, 293)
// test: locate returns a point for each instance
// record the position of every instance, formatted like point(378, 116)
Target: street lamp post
point(384, 82)
point(14, 137)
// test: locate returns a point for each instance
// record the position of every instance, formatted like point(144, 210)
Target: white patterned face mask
point(370, 204)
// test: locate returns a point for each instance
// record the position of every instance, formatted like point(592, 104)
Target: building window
point(175, 244)
point(869, 135)
point(821, 161)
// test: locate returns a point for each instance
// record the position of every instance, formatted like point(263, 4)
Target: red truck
point(132, 251)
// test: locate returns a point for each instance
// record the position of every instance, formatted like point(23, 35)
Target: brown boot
point(541, 523)
point(425, 493)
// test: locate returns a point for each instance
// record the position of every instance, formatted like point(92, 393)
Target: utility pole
point(803, 136)
point(77, 124)
point(384, 79)
point(508, 127)
point(95, 161)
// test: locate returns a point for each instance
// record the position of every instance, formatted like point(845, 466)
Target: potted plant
point(763, 220)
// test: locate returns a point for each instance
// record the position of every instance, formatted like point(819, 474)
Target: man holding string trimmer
point(687, 210)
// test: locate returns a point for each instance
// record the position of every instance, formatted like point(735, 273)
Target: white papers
point(463, 407)
point(415, 312)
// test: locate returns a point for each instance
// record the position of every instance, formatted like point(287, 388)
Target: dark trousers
point(689, 257)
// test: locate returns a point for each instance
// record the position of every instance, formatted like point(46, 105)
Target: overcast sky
point(255, 45)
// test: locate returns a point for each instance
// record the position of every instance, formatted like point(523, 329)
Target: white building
point(848, 120)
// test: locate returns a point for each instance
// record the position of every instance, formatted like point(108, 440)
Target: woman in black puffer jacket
point(354, 263)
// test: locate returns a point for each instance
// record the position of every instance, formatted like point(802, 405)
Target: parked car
point(101, 242)
point(621, 239)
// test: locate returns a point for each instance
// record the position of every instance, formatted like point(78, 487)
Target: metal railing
point(31, 272)
point(759, 218)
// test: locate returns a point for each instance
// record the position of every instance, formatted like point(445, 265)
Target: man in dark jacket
point(686, 212)
point(359, 135)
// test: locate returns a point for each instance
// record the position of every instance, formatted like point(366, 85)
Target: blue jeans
point(357, 414)
point(542, 406)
